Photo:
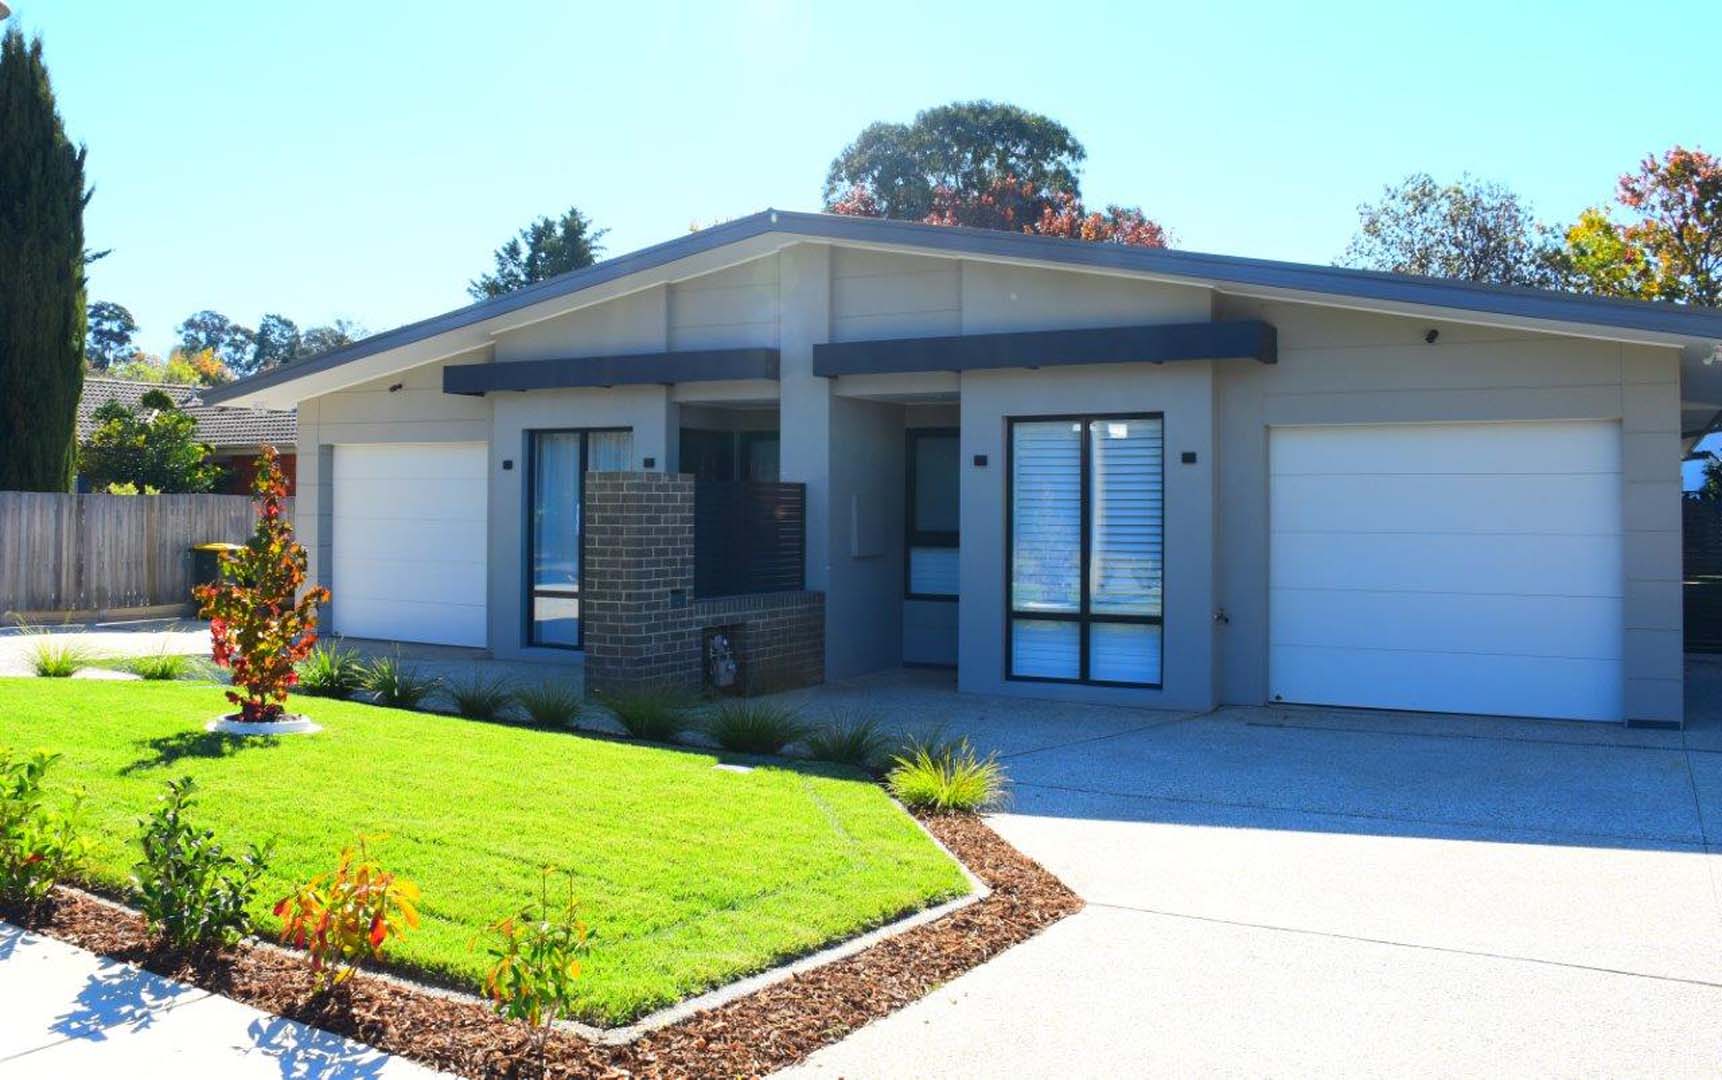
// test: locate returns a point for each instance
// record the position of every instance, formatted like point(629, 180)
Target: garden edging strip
point(757, 1031)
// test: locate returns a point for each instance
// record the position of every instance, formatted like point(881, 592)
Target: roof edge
point(1216, 270)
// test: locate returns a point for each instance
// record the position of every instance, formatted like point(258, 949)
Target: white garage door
point(409, 538)
point(1448, 567)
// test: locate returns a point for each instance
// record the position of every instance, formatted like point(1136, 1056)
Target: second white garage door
point(1448, 567)
point(409, 539)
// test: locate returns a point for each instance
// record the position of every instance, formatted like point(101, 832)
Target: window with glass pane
point(1087, 547)
point(558, 460)
point(933, 535)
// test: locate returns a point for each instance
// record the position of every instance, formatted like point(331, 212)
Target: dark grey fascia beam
point(562, 373)
point(1153, 344)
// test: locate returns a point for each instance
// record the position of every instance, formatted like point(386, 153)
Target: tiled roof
point(221, 427)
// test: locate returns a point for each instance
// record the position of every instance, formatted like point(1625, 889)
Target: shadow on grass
point(168, 749)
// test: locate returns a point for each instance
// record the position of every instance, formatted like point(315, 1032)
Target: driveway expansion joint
point(1183, 800)
point(1390, 943)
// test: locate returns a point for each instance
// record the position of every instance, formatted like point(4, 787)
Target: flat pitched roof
point(1366, 286)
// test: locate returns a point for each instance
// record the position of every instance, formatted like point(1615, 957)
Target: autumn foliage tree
point(259, 621)
point(1670, 248)
point(1014, 205)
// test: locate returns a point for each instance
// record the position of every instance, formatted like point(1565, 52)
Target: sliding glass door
point(1087, 517)
point(558, 463)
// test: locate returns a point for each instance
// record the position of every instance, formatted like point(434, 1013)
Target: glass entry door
point(556, 486)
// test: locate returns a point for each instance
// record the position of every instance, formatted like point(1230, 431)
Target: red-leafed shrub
point(346, 917)
point(259, 621)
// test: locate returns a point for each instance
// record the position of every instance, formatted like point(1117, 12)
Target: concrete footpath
point(68, 1013)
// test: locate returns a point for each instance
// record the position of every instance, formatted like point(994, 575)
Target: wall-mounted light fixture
point(394, 386)
point(1431, 336)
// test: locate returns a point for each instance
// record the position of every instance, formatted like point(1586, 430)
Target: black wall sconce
point(980, 461)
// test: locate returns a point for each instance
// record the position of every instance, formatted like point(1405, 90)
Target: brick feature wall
point(644, 628)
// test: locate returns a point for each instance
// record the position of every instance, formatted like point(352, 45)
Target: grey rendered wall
point(1339, 367)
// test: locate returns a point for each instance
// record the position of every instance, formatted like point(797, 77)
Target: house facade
point(234, 435)
point(1067, 470)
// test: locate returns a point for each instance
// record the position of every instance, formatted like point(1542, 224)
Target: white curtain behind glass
point(609, 451)
point(556, 510)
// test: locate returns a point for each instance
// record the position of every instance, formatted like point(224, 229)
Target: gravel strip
point(751, 1036)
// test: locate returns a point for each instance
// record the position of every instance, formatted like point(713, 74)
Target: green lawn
point(690, 876)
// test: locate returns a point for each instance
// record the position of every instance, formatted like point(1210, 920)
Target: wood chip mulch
point(751, 1036)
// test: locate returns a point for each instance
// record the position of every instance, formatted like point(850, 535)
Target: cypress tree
point(42, 200)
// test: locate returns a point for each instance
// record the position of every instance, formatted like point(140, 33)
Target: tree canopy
point(42, 259)
point(545, 248)
point(1473, 230)
point(981, 165)
point(1670, 248)
point(233, 343)
point(111, 332)
point(967, 148)
point(151, 447)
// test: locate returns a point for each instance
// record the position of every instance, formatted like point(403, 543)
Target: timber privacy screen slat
point(749, 537)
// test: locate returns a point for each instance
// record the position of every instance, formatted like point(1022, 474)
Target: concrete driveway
point(1306, 893)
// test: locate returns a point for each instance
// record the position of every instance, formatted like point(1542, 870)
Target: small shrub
point(397, 685)
point(946, 777)
point(550, 703)
point(191, 892)
point(260, 622)
point(478, 697)
point(39, 846)
point(857, 739)
point(755, 727)
point(331, 671)
point(658, 715)
point(346, 917)
point(55, 657)
point(163, 666)
point(536, 960)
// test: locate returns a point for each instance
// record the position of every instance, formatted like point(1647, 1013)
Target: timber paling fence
point(68, 556)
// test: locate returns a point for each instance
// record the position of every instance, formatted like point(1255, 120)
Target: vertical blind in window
point(1087, 549)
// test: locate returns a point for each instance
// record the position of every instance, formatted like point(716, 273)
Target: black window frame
point(1083, 616)
point(913, 537)
point(530, 591)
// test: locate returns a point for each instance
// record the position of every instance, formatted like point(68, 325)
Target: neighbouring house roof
point(222, 427)
point(1662, 323)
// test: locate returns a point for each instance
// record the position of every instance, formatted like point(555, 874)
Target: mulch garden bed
point(753, 1035)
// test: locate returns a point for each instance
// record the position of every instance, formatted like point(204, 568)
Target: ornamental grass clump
point(945, 777)
point(39, 845)
point(850, 738)
point(162, 666)
point(345, 918)
point(658, 715)
point(331, 670)
point(550, 704)
point(52, 657)
point(193, 893)
point(399, 686)
point(260, 622)
point(481, 697)
point(755, 727)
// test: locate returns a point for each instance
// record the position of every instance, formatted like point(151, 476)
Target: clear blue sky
point(362, 159)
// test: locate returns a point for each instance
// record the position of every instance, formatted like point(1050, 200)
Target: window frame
point(1084, 617)
point(913, 537)
point(529, 591)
